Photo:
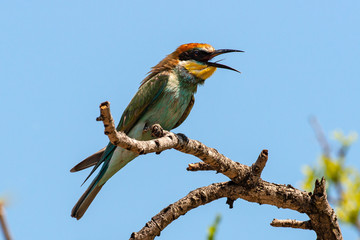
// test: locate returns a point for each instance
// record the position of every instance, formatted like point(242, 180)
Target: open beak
point(219, 52)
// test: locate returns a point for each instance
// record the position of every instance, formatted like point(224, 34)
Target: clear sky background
point(61, 59)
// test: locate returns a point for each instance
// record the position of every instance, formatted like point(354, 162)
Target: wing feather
point(186, 113)
point(148, 92)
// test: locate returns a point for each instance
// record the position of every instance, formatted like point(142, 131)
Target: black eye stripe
point(194, 54)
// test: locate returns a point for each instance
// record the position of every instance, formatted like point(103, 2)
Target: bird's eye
point(198, 55)
point(195, 54)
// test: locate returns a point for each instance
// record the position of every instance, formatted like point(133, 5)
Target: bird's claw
point(183, 136)
point(157, 131)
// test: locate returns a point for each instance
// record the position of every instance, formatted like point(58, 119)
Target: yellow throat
point(199, 70)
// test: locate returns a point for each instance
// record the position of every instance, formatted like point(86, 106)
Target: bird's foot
point(157, 131)
point(183, 136)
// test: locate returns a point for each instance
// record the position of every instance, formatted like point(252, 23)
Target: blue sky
point(61, 59)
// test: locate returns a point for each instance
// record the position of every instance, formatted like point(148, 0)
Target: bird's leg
point(146, 127)
point(156, 131)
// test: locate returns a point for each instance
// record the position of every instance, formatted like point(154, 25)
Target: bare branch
point(246, 182)
point(195, 198)
point(235, 171)
point(258, 166)
point(120, 139)
point(292, 224)
point(320, 136)
point(280, 196)
point(323, 217)
point(3, 223)
point(204, 195)
point(200, 166)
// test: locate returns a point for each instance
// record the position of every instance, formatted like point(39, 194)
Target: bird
point(165, 97)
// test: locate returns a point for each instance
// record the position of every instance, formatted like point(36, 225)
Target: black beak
point(218, 65)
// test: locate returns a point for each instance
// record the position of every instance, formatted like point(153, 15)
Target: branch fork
point(245, 183)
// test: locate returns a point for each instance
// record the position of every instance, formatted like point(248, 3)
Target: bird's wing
point(144, 97)
point(186, 113)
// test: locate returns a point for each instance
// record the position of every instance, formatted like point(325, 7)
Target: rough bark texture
point(292, 224)
point(200, 166)
point(245, 183)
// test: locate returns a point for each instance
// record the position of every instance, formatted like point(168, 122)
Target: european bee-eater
point(166, 97)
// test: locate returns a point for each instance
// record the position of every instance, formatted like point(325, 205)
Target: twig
point(320, 136)
point(292, 224)
point(258, 167)
point(357, 225)
point(199, 166)
point(3, 222)
point(325, 216)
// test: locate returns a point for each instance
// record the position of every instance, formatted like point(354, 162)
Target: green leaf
point(213, 228)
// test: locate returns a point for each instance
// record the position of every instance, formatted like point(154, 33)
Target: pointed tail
point(89, 195)
point(85, 200)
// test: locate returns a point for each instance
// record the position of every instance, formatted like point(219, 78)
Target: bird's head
point(195, 58)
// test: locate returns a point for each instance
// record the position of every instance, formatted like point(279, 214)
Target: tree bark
point(245, 183)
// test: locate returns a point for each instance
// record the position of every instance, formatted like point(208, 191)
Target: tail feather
point(89, 195)
point(89, 161)
point(85, 200)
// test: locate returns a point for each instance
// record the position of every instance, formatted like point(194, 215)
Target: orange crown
point(188, 46)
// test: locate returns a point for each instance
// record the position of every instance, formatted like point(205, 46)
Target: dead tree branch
point(199, 166)
point(292, 224)
point(3, 222)
point(245, 183)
